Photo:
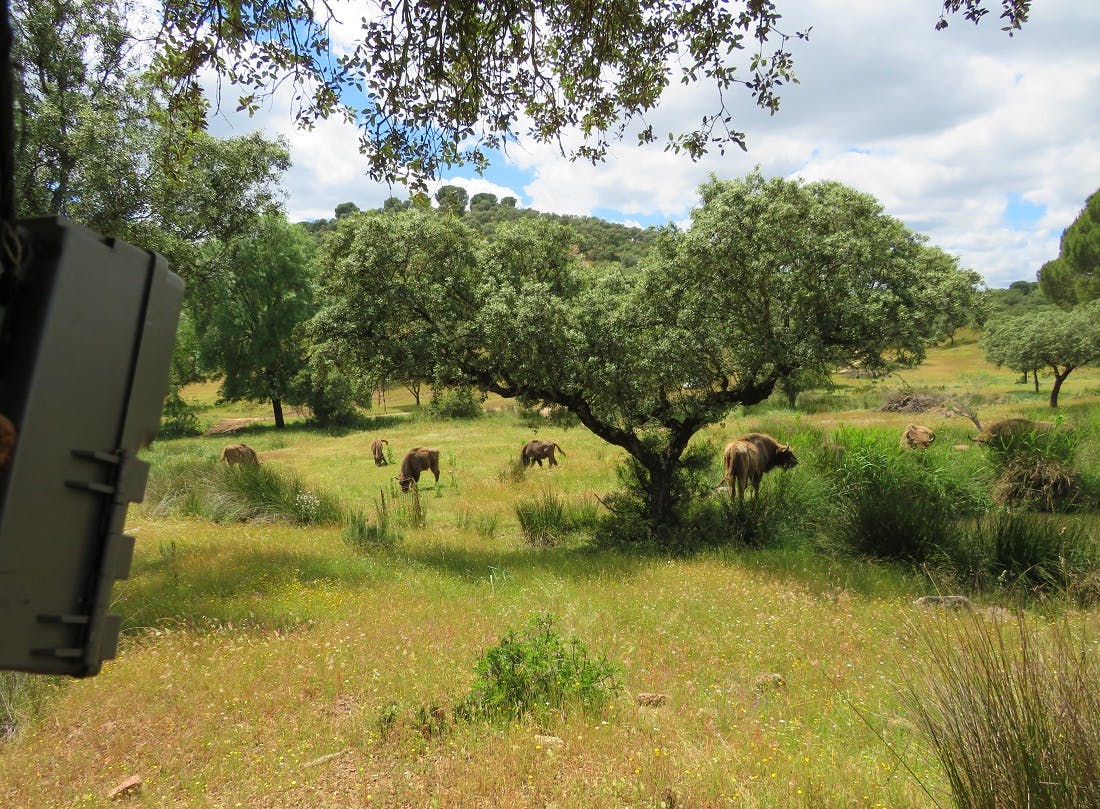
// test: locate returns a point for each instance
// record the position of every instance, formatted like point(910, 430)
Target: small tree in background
point(247, 314)
point(1053, 339)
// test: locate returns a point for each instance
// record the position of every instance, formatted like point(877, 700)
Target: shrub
point(627, 521)
point(1037, 483)
point(455, 403)
point(535, 672)
point(1011, 712)
point(178, 419)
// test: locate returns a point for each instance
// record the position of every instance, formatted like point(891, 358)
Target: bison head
point(785, 457)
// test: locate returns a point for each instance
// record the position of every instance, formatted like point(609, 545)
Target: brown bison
point(417, 460)
point(1001, 433)
point(240, 454)
point(377, 451)
point(750, 456)
point(535, 450)
point(917, 437)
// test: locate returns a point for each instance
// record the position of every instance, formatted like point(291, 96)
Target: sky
point(987, 144)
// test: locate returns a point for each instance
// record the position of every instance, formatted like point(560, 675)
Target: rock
point(943, 602)
point(127, 789)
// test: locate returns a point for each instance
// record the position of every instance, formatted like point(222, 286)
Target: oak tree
point(774, 277)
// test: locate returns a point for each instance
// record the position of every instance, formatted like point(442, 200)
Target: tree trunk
point(1035, 373)
point(662, 505)
point(1059, 378)
point(277, 406)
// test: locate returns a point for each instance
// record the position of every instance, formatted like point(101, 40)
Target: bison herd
point(746, 459)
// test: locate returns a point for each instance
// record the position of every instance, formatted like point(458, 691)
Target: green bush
point(535, 672)
point(456, 403)
point(627, 521)
point(178, 419)
point(1010, 710)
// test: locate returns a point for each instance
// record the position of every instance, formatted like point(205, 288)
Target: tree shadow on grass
point(243, 586)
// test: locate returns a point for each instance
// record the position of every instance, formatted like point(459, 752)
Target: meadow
point(269, 664)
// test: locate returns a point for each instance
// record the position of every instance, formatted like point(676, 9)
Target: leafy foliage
point(1053, 339)
point(1074, 276)
point(774, 277)
point(247, 313)
point(535, 672)
point(447, 81)
point(899, 505)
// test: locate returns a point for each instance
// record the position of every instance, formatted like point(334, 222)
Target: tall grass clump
point(1033, 554)
point(793, 507)
point(547, 519)
point(1037, 468)
point(537, 671)
point(364, 535)
point(1011, 711)
point(900, 505)
point(206, 489)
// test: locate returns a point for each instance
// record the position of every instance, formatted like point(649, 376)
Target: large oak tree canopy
point(436, 84)
point(772, 277)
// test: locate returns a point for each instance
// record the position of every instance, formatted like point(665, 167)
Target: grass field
point(267, 665)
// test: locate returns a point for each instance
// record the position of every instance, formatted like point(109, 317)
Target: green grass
point(265, 663)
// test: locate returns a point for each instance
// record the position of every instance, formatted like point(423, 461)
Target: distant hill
point(597, 239)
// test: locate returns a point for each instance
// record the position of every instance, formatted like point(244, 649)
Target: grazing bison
point(535, 450)
point(376, 451)
point(750, 456)
point(417, 460)
point(242, 454)
point(917, 437)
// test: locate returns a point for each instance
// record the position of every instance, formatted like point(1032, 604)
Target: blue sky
point(987, 144)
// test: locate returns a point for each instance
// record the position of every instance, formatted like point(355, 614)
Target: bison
point(917, 437)
point(535, 450)
point(377, 452)
point(239, 454)
point(1001, 433)
point(750, 456)
point(417, 460)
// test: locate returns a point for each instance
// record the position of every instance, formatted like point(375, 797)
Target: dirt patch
point(226, 426)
